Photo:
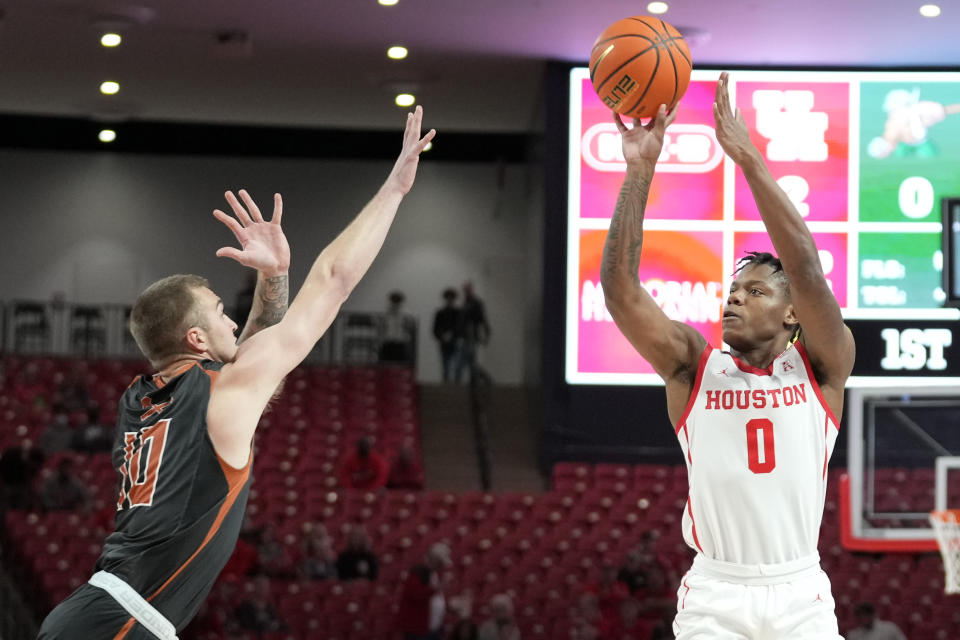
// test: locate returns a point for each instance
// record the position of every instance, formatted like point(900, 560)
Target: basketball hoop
point(946, 526)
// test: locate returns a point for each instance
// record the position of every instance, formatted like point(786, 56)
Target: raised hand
point(731, 130)
point(263, 245)
point(644, 142)
point(405, 169)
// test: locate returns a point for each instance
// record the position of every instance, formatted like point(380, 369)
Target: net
point(946, 526)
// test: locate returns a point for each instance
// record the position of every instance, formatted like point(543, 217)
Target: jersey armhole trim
point(816, 386)
point(701, 365)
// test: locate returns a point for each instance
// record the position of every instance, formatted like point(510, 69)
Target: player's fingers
point(238, 210)
point(251, 206)
point(617, 120)
point(722, 95)
point(229, 252)
point(671, 116)
point(277, 208)
point(717, 113)
point(661, 118)
point(740, 117)
point(424, 141)
point(410, 133)
point(230, 221)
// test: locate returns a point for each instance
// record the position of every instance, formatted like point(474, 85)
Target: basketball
point(639, 63)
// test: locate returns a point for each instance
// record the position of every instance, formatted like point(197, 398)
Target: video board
point(866, 156)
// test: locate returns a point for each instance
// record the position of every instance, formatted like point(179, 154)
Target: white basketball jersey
point(757, 443)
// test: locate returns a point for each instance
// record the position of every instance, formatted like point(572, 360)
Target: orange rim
point(947, 516)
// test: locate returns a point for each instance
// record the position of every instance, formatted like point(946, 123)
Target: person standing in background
point(445, 322)
point(398, 327)
point(474, 330)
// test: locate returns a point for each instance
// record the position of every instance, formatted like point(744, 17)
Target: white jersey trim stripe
point(816, 385)
point(701, 365)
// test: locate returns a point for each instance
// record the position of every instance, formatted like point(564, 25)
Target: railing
point(31, 327)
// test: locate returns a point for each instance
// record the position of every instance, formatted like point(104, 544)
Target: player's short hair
point(162, 314)
point(765, 257)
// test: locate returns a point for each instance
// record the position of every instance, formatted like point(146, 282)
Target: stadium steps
point(450, 462)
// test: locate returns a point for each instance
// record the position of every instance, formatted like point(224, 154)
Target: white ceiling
point(474, 65)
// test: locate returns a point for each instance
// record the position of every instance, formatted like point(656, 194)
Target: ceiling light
point(404, 99)
point(397, 53)
point(107, 135)
point(388, 3)
point(930, 11)
point(657, 7)
point(110, 39)
point(429, 146)
point(109, 87)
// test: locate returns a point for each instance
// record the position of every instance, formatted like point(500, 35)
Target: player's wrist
point(751, 162)
point(643, 164)
point(274, 272)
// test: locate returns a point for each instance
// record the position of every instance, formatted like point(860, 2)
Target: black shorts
point(90, 613)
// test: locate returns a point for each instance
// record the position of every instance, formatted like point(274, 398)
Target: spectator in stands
point(646, 578)
point(62, 490)
point(422, 603)
point(628, 625)
point(445, 330)
point(93, 437)
point(257, 613)
point(405, 470)
point(357, 560)
point(272, 557)
point(586, 619)
point(59, 435)
point(663, 629)
point(28, 387)
point(363, 468)
point(869, 627)
point(18, 468)
point(474, 331)
point(72, 393)
point(633, 573)
point(465, 629)
point(318, 560)
point(398, 329)
point(243, 561)
point(501, 625)
point(610, 592)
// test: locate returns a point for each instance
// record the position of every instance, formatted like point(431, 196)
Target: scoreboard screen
point(866, 156)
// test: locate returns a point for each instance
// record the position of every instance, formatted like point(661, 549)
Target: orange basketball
point(639, 63)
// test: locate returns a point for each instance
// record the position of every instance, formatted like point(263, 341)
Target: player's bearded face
point(757, 308)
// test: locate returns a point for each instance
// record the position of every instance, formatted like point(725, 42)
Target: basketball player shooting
point(756, 424)
point(183, 447)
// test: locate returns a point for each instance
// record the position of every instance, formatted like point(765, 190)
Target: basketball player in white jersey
point(756, 424)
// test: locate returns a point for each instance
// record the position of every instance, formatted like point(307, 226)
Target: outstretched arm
point(245, 385)
point(672, 348)
point(263, 247)
point(827, 340)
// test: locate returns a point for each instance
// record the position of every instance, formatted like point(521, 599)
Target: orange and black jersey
point(180, 506)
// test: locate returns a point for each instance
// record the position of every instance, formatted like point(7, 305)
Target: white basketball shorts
point(723, 601)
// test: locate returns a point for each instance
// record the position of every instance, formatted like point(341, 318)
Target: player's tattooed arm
point(670, 347)
point(263, 246)
point(625, 237)
point(270, 301)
